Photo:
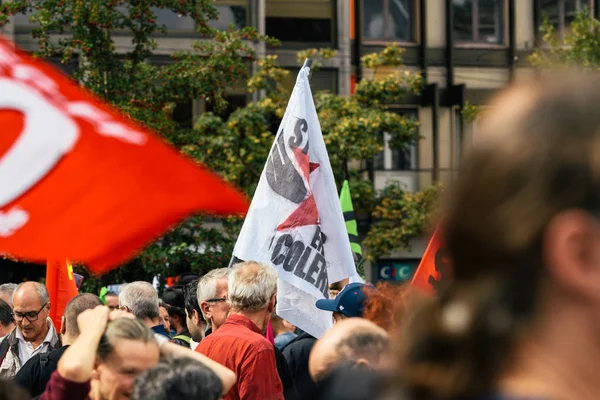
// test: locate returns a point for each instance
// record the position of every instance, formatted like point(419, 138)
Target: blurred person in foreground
point(111, 350)
point(351, 361)
point(141, 299)
point(354, 341)
point(521, 320)
point(240, 344)
point(212, 298)
point(36, 372)
point(178, 379)
point(35, 332)
point(6, 292)
point(7, 321)
point(174, 300)
point(10, 391)
point(195, 321)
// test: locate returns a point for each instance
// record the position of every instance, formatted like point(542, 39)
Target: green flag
point(351, 226)
point(103, 293)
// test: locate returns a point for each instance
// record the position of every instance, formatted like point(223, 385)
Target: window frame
point(562, 15)
point(474, 44)
point(415, 26)
point(388, 153)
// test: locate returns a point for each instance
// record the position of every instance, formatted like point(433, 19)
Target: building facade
point(466, 50)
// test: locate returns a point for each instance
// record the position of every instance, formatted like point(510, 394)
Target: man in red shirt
point(239, 344)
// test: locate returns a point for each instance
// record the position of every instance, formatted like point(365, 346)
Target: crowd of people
point(520, 318)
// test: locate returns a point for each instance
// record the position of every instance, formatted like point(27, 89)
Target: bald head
point(28, 291)
point(353, 341)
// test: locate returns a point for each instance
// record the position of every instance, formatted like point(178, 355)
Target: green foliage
point(399, 217)
point(470, 112)
point(580, 48)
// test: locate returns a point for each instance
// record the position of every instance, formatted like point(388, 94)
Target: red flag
point(434, 267)
point(60, 283)
point(79, 181)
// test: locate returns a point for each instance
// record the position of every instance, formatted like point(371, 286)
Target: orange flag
point(61, 287)
point(434, 267)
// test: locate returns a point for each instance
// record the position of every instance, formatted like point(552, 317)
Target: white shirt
point(193, 344)
point(26, 350)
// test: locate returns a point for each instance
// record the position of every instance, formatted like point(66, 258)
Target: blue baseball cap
point(350, 301)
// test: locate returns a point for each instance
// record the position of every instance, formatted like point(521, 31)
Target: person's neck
point(260, 318)
point(151, 323)
point(67, 339)
point(40, 338)
point(558, 360)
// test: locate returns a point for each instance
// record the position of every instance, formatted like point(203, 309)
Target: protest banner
point(434, 268)
point(61, 285)
point(295, 221)
point(80, 181)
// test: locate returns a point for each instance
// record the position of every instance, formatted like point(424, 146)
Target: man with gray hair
point(141, 299)
point(240, 344)
point(35, 332)
point(6, 292)
point(212, 298)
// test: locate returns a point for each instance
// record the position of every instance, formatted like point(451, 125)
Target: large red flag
point(434, 267)
point(79, 181)
point(61, 287)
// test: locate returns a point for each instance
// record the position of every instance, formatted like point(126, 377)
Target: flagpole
point(308, 64)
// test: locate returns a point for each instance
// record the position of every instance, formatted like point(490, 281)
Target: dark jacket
point(183, 338)
point(290, 392)
point(36, 373)
point(296, 354)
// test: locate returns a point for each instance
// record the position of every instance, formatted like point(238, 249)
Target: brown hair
point(538, 155)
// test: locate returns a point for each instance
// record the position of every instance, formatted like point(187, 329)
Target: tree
point(234, 144)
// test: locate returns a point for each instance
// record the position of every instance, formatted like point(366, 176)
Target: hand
point(116, 314)
point(93, 321)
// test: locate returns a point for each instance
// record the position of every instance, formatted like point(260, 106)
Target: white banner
point(295, 221)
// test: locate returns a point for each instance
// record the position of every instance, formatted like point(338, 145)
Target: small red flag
point(61, 286)
point(79, 181)
point(434, 267)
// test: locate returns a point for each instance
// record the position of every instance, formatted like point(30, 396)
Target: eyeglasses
point(216, 300)
point(30, 316)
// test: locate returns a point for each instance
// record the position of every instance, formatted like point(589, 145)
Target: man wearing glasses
point(34, 334)
point(212, 298)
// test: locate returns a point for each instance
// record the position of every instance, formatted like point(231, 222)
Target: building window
point(397, 159)
point(306, 21)
point(389, 20)
point(231, 12)
point(561, 13)
point(478, 21)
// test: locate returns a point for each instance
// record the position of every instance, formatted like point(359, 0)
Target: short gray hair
point(251, 286)
point(8, 289)
point(40, 289)
point(207, 285)
point(141, 299)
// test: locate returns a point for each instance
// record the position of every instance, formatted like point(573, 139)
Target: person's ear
point(205, 307)
point(48, 306)
point(571, 250)
point(95, 373)
point(63, 326)
point(271, 305)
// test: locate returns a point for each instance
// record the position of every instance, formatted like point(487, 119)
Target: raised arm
point(226, 375)
point(77, 364)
